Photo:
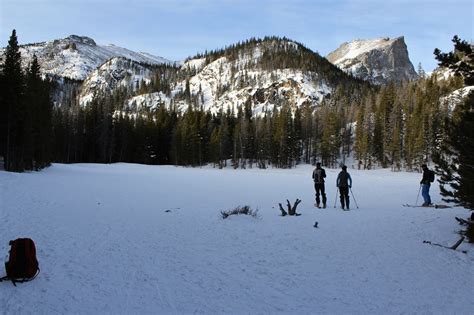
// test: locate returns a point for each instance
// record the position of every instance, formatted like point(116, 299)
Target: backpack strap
point(6, 278)
point(15, 281)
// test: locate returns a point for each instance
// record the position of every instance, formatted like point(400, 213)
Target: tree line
point(398, 126)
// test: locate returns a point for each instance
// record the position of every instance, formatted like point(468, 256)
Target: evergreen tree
point(14, 128)
point(455, 160)
point(362, 134)
point(395, 146)
point(39, 103)
point(330, 139)
point(461, 60)
point(306, 132)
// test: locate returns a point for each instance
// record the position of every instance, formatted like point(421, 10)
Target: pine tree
point(296, 135)
point(306, 132)
point(361, 146)
point(461, 60)
point(39, 103)
point(32, 102)
point(330, 139)
point(395, 146)
point(455, 160)
point(13, 129)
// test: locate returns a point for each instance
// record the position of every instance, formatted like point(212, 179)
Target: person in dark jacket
point(425, 185)
point(319, 174)
point(344, 183)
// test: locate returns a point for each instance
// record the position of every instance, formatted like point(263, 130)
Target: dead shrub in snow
point(239, 210)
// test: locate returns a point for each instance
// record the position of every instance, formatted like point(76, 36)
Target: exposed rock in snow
point(149, 101)
point(378, 61)
point(228, 84)
point(116, 72)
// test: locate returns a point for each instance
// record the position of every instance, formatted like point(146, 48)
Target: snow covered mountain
point(378, 61)
point(263, 75)
point(75, 57)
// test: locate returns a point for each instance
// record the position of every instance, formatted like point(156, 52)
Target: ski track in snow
point(106, 245)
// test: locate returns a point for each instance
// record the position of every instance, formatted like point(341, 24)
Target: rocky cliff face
point(378, 61)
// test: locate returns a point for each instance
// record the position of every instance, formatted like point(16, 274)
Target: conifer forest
point(398, 125)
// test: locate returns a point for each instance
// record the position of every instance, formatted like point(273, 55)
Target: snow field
point(106, 245)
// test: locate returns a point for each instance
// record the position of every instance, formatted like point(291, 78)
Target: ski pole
point(354, 198)
point(335, 199)
point(416, 203)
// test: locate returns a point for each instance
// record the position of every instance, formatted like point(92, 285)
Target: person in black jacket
point(428, 177)
point(344, 183)
point(319, 174)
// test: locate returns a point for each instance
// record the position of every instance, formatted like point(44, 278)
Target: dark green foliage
point(461, 60)
point(25, 123)
point(38, 99)
point(455, 159)
point(13, 126)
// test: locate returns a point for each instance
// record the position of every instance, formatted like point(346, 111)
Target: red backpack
point(22, 265)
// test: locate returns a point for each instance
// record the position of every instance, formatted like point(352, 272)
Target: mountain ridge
point(266, 73)
point(75, 57)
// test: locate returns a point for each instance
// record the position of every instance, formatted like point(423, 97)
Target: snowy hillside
point(455, 98)
point(75, 57)
point(126, 238)
point(378, 60)
point(116, 72)
point(268, 89)
point(226, 83)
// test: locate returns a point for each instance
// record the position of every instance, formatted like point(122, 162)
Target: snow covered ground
point(107, 245)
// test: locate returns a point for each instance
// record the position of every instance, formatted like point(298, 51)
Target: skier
point(344, 183)
point(318, 176)
point(428, 177)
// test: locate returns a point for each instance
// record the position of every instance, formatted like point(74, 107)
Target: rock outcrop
point(378, 61)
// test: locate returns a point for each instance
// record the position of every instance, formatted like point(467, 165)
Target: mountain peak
point(379, 60)
point(82, 39)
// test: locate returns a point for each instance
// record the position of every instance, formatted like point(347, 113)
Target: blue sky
point(176, 29)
